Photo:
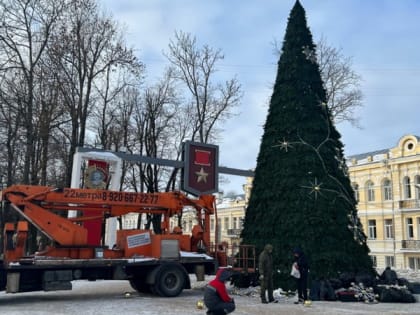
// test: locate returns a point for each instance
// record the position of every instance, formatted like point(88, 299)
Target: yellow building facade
point(230, 216)
point(387, 188)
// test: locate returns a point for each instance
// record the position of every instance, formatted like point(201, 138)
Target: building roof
point(362, 156)
point(230, 201)
point(365, 155)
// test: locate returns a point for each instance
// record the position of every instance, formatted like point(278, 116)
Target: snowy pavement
point(110, 297)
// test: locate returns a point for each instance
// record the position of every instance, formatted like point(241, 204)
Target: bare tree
point(123, 132)
point(112, 115)
point(341, 82)
point(165, 119)
point(87, 47)
point(11, 132)
point(212, 102)
point(24, 34)
point(154, 121)
point(50, 118)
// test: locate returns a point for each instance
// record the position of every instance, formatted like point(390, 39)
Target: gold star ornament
point(201, 176)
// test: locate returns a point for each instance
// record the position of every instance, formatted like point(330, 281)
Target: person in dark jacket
point(389, 276)
point(302, 281)
point(216, 297)
point(265, 268)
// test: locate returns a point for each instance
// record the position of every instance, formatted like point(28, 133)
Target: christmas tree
point(301, 194)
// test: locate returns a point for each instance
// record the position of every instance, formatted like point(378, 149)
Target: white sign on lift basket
point(138, 240)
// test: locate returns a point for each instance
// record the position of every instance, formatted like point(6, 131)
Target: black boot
point(264, 301)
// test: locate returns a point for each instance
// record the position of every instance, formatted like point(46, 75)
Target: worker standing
point(302, 281)
point(265, 268)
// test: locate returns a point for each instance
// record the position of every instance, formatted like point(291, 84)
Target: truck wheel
point(170, 280)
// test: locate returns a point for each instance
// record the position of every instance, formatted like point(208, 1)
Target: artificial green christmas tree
point(301, 194)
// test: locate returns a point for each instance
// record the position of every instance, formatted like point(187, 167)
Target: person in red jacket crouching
point(216, 297)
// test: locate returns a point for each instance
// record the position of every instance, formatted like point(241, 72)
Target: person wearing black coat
point(389, 276)
point(302, 281)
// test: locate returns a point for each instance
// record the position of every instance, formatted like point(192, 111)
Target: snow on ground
point(110, 297)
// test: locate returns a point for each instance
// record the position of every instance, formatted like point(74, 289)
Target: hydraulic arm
point(47, 208)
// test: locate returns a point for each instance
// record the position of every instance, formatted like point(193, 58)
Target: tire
point(170, 280)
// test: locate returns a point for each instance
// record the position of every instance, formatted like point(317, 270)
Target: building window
point(387, 189)
point(389, 234)
point(414, 263)
point(356, 191)
point(418, 228)
point(211, 224)
point(235, 223)
point(226, 225)
point(417, 187)
point(219, 224)
point(370, 191)
point(374, 261)
point(372, 229)
point(389, 261)
point(407, 187)
point(410, 228)
point(409, 145)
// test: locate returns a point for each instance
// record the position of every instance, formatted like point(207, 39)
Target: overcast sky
point(382, 37)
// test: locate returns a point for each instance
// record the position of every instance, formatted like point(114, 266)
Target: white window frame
point(418, 228)
point(372, 229)
point(410, 228)
point(417, 187)
point(407, 187)
point(414, 263)
point(389, 261)
point(387, 190)
point(389, 229)
point(356, 191)
point(374, 260)
point(370, 191)
point(226, 223)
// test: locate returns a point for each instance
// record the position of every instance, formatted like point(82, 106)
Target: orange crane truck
point(155, 263)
